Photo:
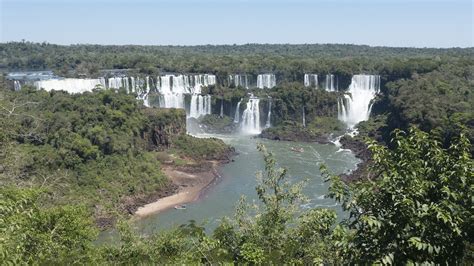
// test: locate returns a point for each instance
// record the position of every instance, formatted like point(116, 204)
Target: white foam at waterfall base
point(70, 85)
point(251, 118)
point(356, 106)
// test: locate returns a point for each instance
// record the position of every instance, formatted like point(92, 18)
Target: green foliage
point(216, 122)
point(416, 208)
point(199, 148)
point(92, 148)
point(276, 231)
point(31, 235)
point(317, 130)
point(288, 61)
point(438, 101)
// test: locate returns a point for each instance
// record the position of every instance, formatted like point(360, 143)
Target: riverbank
point(190, 183)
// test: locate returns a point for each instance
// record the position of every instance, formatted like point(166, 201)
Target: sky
point(400, 23)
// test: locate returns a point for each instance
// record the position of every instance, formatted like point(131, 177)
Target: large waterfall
point(329, 84)
point(237, 112)
point(251, 117)
point(200, 105)
point(310, 80)
point(239, 81)
point(70, 85)
point(173, 87)
point(266, 81)
point(356, 106)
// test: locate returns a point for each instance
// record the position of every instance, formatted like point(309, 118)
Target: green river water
point(238, 178)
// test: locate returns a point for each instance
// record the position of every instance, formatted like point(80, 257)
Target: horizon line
point(239, 44)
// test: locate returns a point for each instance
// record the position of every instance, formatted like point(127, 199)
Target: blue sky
point(417, 23)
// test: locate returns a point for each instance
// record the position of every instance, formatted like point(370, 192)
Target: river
point(238, 178)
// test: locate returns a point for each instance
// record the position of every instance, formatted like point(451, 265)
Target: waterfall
point(310, 80)
point(251, 117)
point(269, 115)
point(173, 87)
point(266, 81)
point(118, 82)
point(304, 118)
point(237, 112)
point(16, 85)
point(329, 86)
point(222, 108)
point(356, 106)
point(200, 105)
point(239, 81)
point(70, 85)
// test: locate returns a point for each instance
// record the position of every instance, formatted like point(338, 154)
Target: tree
point(277, 230)
point(416, 206)
point(30, 234)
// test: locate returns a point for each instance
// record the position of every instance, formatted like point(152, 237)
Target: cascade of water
point(70, 85)
point(310, 80)
point(239, 81)
point(304, 118)
point(200, 105)
point(269, 115)
point(266, 81)
point(118, 82)
point(16, 85)
point(329, 84)
point(251, 117)
point(356, 106)
point(222, 108)
point(173, 87)
point(237, 112)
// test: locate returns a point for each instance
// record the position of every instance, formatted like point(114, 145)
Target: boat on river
point(297, 149)
point(180, 207)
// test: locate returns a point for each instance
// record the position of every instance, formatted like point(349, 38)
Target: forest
point(411, 203)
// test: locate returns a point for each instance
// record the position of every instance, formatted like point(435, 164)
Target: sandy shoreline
point(190, 187)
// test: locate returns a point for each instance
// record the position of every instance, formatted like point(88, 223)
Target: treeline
point(288, 62)
point(440, 101)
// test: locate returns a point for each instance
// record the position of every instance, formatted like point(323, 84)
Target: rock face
point(162, 125)
point(359, 148)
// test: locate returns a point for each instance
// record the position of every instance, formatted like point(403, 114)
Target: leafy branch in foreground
point(419, 209)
